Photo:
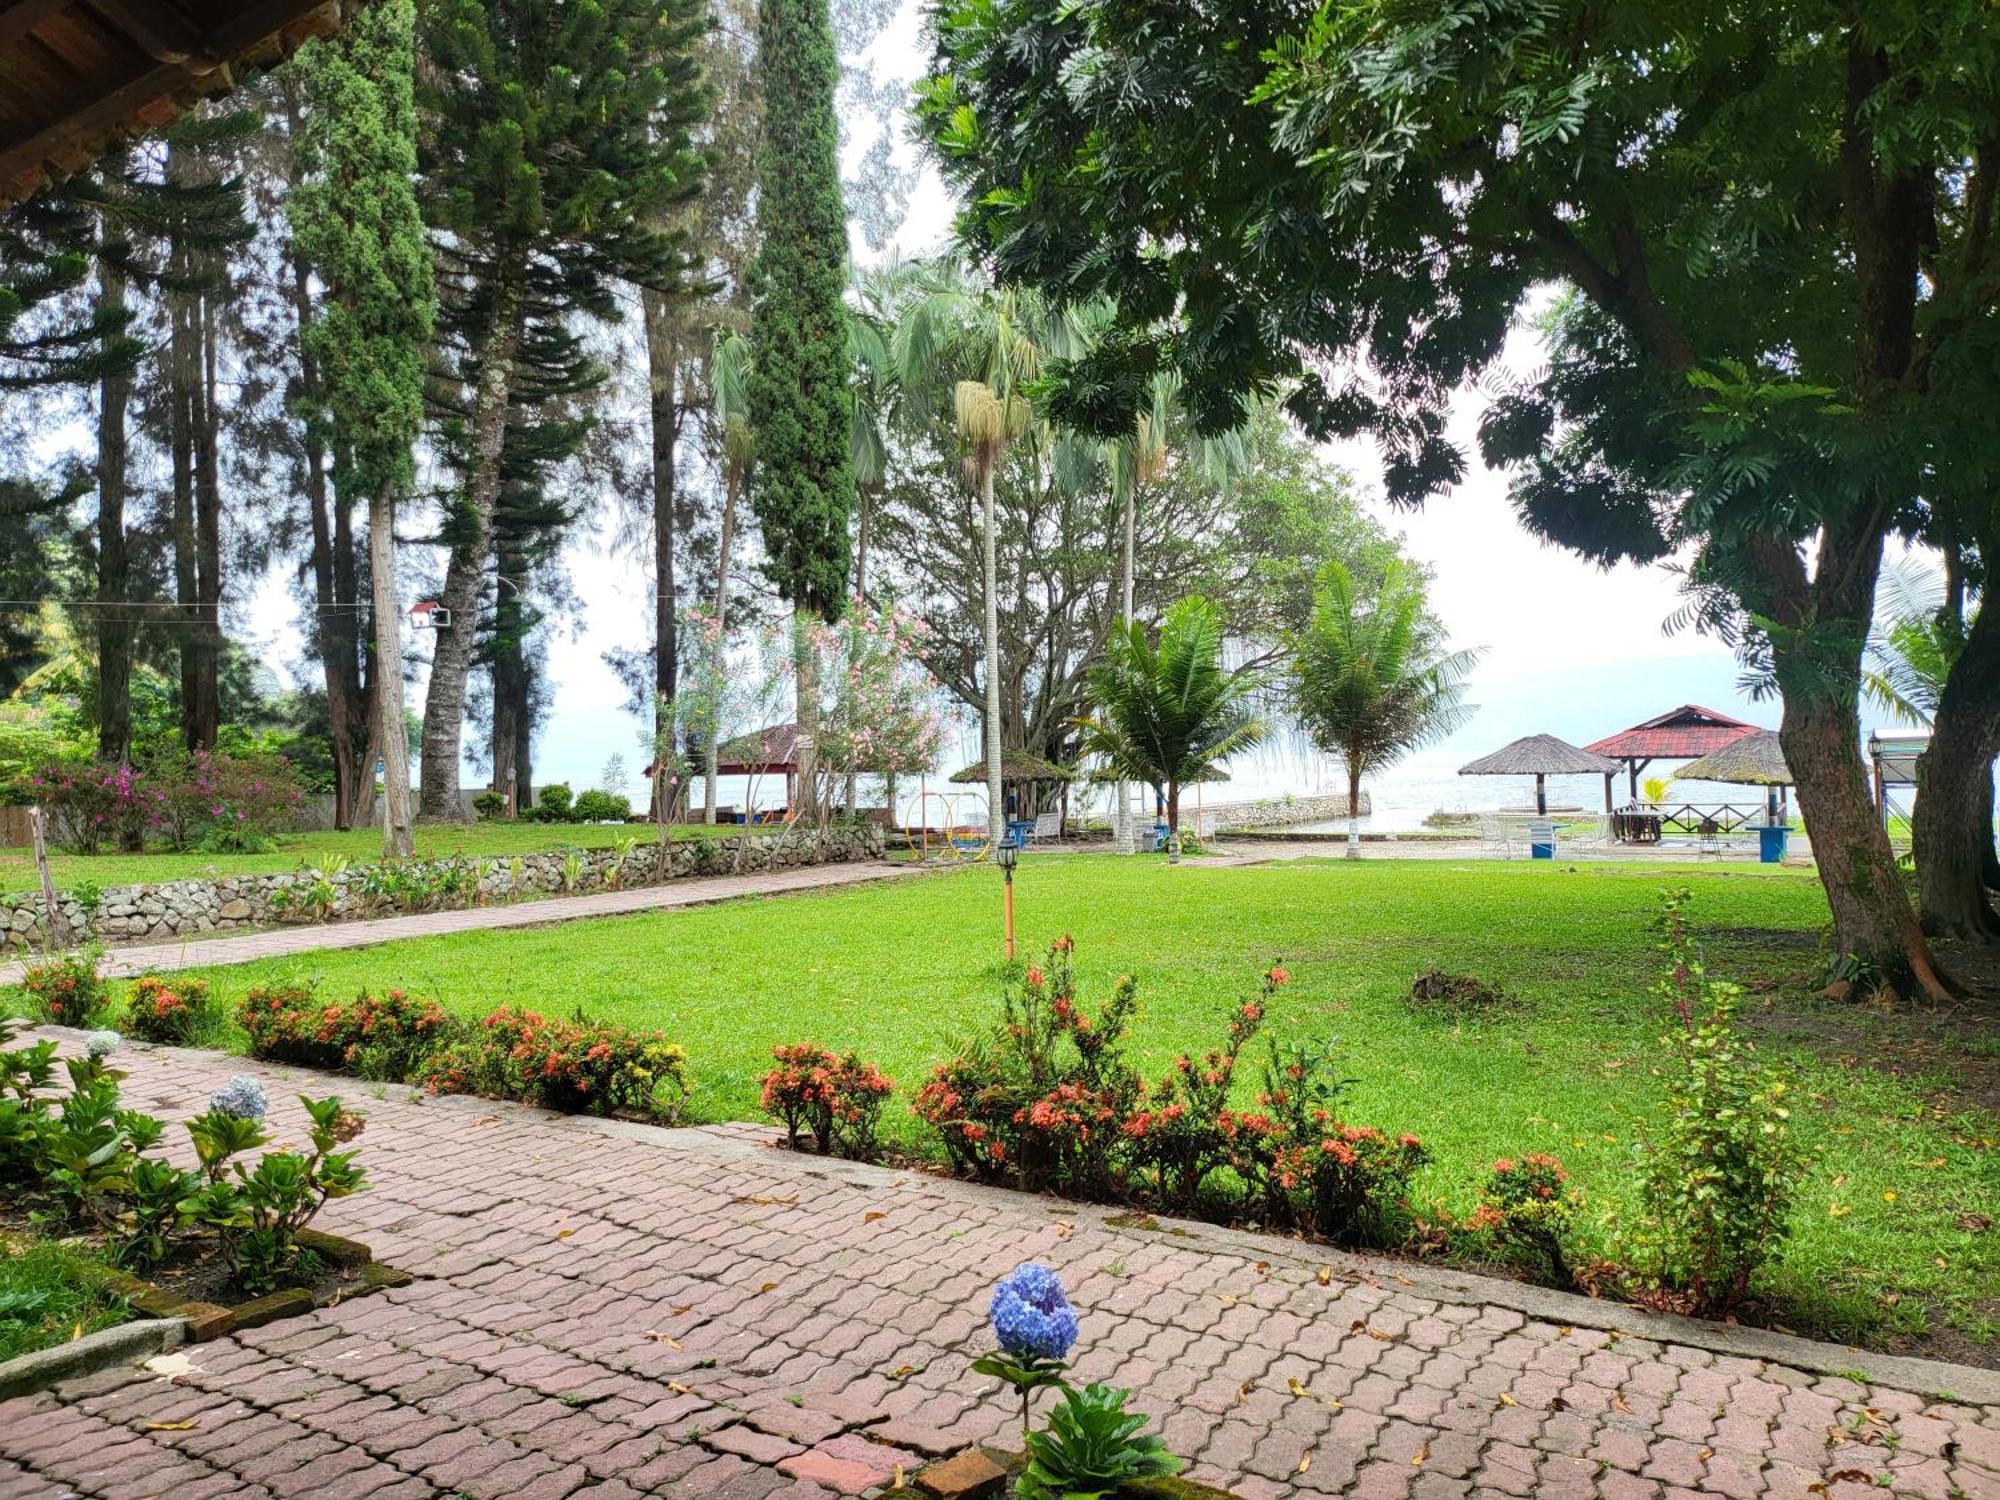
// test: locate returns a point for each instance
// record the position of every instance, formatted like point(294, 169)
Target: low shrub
point(172, 1011)
point(1716, 1181)
point(257, 1212)
point(600, 807)
point(579, 1066)
point(1350, 1185)
point(225, 803)
point(552, 804)
point(92, 804)
point(835, 1098)
point(1528, 1209)
point(488, 805)
point(67, 990)
point(383, 1037)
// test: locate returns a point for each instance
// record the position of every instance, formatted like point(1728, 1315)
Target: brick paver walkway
point(604, 1311)
point(700, 890)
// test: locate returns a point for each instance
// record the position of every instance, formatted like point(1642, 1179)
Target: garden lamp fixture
point(1008, 854)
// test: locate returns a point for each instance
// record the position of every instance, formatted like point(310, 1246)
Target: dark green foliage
point(1090, 1447)
point(357, 226)
point(801, 406)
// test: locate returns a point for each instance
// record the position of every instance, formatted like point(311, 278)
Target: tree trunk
point(996, 814)
point(1872, 919)
point(805, 665)
point(389, 731)
point(1353, 813)
point(114, 565)
point(732, 485)
point(205, 716)
point(181, 366)
point(1952, 824)
point(451, 657)
point(1128, 527)
point(663, 369)
point(1173, 822)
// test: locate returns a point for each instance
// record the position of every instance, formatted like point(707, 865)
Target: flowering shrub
point(1529, 1207)
point(1347, 1186)
point(1046, 1097)
point(378, 1036)
point(1183, 1128)
point(836, 1099)
point(172, 1011)
point(579, 1066)
point(67, 990)
point(93, 804)
point(1716, 1182)
point(219, 801)
point(225, 803)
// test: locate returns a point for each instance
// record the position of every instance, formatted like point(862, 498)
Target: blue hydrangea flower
point(242, 1097)
point(101, 1044)
point(1031, 1316)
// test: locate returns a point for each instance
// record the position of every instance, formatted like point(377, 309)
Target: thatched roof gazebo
point(1542, 756)
point(1754, 760)
point(1015, 766)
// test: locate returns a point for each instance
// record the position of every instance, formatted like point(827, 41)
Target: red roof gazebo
point(1684, 733)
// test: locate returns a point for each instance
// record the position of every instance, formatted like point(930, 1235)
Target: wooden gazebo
point(1022, 768)
point(1684, 733)
point(79, 76)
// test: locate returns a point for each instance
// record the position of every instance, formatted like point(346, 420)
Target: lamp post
point(1007, 854)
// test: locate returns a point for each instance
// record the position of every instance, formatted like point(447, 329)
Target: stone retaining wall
point(133, 913)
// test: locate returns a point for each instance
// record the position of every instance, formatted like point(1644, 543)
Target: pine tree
point(357, 225)
point(801, 407)
point(545, 174)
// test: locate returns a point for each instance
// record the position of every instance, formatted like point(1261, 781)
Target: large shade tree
point(1775, 219)
point(1368, 681)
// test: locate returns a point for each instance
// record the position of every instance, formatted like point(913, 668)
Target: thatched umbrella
point(1016, 765)
point(1542, 756)
point(1755, 760)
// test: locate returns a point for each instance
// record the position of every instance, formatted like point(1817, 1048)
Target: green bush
point(489, 805)
point(170, 1010)
point(1716, 1180)
point(600, 807)
point(552, 804)
point(579, 1066)
point(383, 1037)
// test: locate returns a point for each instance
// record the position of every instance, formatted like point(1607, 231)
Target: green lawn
point(1892, 1209)
point(51, 1294)
point(360, 845)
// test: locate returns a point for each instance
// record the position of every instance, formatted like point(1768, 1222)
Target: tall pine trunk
point(451, 657)
point(204, 720)
point(114, 565)
point(663, 367)
point(989, 562)
point(511, 709)
point(389, 731)
point(805, 667)
point(732, 486)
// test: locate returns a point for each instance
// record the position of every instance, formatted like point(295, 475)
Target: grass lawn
point(51, 1294)
point(360, 845)
point(1888, 1226)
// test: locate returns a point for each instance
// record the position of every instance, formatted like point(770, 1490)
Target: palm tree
point(1168, 711)
point(1367, 684)
point(983, 345)
point(728, 366)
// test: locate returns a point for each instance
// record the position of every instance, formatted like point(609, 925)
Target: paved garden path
point(200, 951)
point(604, 1310)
